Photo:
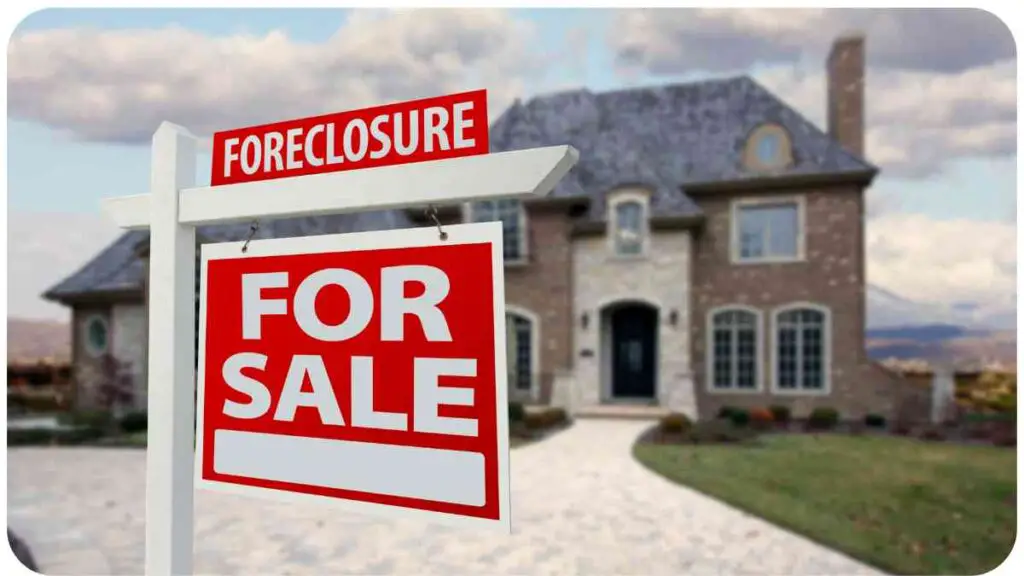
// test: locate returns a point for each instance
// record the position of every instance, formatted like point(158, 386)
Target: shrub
point(37, 401)
point(726, 412)
point(1006, 437)
point(47, 436)
point(545, 418)
point(516, 412)
point(739, 417)
point(933, 433)
point(86, 418)
point(718, 431)
point(780, 414)
point(675, 423)
point(134, 422)
point(874, 421)
point(823, 418)
point(762, 416)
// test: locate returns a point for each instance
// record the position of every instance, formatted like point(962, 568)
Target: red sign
point(437, 128)
point(341, 369)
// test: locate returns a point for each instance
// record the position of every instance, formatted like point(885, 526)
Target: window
point(802, 356)
point(766, 231)
point(520, 338)
point(734, 349)
point(768, 148)
point(629, 235)
point(513, 222)
point(96, 335)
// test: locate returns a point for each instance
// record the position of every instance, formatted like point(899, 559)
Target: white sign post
point(172, 210)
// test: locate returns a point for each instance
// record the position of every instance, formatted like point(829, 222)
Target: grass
point(904, 506)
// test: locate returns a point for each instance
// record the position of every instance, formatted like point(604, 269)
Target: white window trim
point(90, 349)
point(621, 197)
point(709, 351)
point(534, 320)
point(826, 388)
point(524, 233)
point(734, 229)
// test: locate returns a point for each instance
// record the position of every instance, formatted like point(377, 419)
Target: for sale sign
point(364, 369)
point(439, 128)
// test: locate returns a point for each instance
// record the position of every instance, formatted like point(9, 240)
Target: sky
point(87, 88)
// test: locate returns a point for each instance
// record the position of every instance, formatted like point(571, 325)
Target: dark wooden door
point(634, 351)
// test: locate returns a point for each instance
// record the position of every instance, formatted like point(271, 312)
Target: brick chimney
point(845, 69)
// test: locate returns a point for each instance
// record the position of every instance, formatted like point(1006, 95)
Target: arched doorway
point(631, 336)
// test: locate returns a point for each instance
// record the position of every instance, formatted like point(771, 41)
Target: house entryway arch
point(629, 350)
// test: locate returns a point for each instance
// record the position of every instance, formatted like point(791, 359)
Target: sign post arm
point(519, 174)
point(169, 457)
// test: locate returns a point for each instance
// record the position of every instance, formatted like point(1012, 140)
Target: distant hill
point(30, 340)
point(945, 342)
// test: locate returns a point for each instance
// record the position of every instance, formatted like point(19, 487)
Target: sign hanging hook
point(252, 232)
point(431, 212)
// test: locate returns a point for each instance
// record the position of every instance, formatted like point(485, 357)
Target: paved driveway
point(580, 504)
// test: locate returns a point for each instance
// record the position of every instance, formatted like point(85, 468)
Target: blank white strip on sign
point(451, 476)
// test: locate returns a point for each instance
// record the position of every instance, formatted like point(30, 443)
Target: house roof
point(663, 138)
point(119, 268)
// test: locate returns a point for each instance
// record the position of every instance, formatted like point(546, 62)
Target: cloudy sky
point(87, 88)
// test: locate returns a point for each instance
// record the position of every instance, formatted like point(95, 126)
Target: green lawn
point(905, 506)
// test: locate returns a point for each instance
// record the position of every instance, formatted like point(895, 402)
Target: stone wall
point(660, 278)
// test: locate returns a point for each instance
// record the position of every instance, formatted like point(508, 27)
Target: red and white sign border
point(475, 233)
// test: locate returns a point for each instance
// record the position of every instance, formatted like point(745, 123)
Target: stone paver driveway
point(581, 505)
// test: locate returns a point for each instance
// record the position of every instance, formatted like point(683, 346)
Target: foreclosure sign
point(367, 370)
point(438, 128)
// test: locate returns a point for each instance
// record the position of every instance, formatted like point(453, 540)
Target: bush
point(47, 436)
point(780, 414)
point(725, 412)
point(762, 416)
point(823, 418)
point(134, 422)
point(516, 412)
point(32, 401)
point(739, 417)
point(86, 418)
point(545, 418)
point(874, 421)
point(933, 433)
point(718, 431)
point(675, 423)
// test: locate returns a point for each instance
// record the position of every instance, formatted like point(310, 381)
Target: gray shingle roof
point(118, 267)
point(662, 137)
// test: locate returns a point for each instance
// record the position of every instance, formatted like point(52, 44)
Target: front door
point(634, 351)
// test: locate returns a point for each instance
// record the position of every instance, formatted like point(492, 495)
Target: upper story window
point(628, 223)
point(769, 230)
point(512, 216)
point(768, 147)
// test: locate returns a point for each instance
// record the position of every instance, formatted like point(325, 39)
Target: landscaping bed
point(899, 503)
point(531, 424)
point(100, 429)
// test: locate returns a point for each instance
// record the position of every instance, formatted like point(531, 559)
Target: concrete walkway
point(581, 505)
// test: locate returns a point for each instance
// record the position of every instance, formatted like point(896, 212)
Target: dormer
point(628, 222)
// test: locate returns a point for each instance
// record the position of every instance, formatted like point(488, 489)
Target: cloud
point(118, 85)
point(933, 40)
point(945, 261)
point(941, 83)
point(916, 121)
point(44, 248)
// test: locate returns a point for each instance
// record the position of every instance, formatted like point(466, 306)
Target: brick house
point(707, 250)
